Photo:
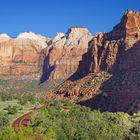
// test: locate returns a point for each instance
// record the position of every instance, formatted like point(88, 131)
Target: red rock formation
point(113, 47)
point(65, 52)
point(117, 52)
point(31, 56)
point(20, 59)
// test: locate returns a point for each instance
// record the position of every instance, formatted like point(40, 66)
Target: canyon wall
point(31, 56)
point(118, 53)
point(62, 57)
point(118, 49)
point(20, 58)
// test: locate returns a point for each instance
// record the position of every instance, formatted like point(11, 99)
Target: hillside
point(114, 60)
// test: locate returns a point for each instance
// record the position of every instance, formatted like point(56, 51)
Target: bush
point(6, 97)
point(4, 120)
point(12, 109)
point(68, 121)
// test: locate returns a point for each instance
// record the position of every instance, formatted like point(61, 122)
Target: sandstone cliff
point(20, 57)
point(65, 51)
point(116, 52)
point(111, 51)
point(31, 56)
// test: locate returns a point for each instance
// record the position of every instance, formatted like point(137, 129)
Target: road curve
point(25, 118)
point(22, 120)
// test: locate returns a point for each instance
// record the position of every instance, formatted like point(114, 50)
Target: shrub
point(4, 120)
point(12, 109)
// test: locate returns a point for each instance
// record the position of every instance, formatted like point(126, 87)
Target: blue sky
point(50, 16)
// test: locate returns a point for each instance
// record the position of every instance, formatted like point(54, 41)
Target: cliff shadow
point(84, 66)
point(46, 69)
point(122, 89)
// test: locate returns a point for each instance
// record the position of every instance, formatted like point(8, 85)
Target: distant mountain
point(31, 56)
point(20, 57)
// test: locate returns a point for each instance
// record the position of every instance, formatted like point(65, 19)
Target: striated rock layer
point(62, 57)
point(20, 59)
point(117, 52)
point(31, 56)
point(118, 49)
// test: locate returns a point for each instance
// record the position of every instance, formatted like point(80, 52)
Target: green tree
point(11, 109)
point(4, 120)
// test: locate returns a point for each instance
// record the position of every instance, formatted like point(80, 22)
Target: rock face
point(62, 57)
point(118, 49)
point(118, 53)
point(4, 37)
point(82, 89)
point(32, 36)
point(31, 56)
point(20, 57)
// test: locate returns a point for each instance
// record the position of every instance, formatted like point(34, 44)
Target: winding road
point(25, 118)
point(22, 120)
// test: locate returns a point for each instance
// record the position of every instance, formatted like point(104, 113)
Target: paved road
point(22, 120)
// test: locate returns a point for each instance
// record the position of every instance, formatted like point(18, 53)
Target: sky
point(47, 17)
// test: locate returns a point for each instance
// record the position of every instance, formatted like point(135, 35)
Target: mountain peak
point(4, 37)
point(30, 35)
point(77, 29)
point(128, 11)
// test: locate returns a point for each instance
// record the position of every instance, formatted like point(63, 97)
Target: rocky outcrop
point(116, 52)
point(80, 90)
point(62, 57)
point(20, 57)
point(32, 56)
point(111, 50)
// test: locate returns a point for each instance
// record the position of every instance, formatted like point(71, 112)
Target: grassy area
point(18, 114)
point(19, 95)
point(15, 105)
point(24, 108)
point(4, 104)
point(20, 86)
